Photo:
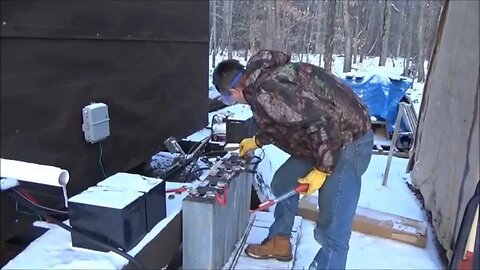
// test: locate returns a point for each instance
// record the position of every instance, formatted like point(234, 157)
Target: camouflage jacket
point(303, 109)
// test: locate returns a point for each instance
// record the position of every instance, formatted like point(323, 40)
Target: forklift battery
point(216, 214)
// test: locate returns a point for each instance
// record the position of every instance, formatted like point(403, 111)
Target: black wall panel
point(147, 60)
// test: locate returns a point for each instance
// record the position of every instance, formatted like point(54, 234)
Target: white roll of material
point(34, 173)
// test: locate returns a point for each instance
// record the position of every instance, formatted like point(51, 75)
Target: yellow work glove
point(314, 179)
point(246, 145)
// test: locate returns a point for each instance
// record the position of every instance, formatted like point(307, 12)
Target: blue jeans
point(337, 201)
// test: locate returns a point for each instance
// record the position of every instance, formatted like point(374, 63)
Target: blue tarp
point(381, 94)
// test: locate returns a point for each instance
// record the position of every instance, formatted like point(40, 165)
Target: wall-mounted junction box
point(96, 126)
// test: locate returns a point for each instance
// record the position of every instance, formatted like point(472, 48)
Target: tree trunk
point(311, 28)
point(420, 42)
point(270, 25)
point(283, 22)
point(374, 29)
point(409, 39)
point(303, 41)
point(319, 39)
point(276, 25)
point(228, 10)
point(431, 46)
point(400, 33)
point(387, 12)
point(213, 38)
point(356, 36)
point(433, 12)
point(369, 18)
point(251, 28)
point(330, 34)
point(347, 63)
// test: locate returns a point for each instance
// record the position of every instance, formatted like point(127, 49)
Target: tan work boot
point(278, 247)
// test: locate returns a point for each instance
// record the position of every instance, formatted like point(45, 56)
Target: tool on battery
point(178, 190)
point(298, 189)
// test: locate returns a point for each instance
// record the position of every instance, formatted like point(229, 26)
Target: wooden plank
point(373, 222)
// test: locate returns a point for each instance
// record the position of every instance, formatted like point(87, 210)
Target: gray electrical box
point(96, 125)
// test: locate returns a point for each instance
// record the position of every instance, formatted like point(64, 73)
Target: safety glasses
point(227, 98)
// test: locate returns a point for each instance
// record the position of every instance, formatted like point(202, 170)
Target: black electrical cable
point(207, 138)
point(178, 168)
point(197, 170)
point(43, 213)
point(198, 157)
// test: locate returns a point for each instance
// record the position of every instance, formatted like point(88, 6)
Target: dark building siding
point(147, 60)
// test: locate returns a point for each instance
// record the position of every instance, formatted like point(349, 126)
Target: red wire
point(27, 195)
point(222, 201)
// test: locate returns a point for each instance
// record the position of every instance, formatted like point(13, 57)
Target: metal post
point(392, 143)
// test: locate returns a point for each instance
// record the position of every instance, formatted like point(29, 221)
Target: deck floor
point(259, 231)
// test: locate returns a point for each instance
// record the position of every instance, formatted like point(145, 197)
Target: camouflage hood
point(262, 61)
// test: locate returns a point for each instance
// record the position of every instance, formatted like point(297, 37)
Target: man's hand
point(314, 179)
point(246, 145)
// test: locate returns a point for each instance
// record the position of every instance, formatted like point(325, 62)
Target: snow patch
point(110, 197)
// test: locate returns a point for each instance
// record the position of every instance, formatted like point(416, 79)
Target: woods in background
point(351, 28)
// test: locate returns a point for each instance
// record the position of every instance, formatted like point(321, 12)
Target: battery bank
point(153, 188)
point(210, 228)
point(115, 217)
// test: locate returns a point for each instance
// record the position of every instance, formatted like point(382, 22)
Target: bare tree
point(347, 63)
point(227, 38)
point(356, 34)
point(400, 31)
point(409, 39)
point(387, 12)
point(213, 35)
point(330, 34)
point(367, 29)
point(315, 26)
point(304, 35)
point(252, 23)
point(432, 14)
point(319, 37)
point(420, 41)
point(271, 25)
point(312, 25)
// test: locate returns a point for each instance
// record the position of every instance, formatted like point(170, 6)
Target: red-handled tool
point(177, 190)
point(299, 189)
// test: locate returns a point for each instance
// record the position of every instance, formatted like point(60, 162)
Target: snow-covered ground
point(372, 252)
